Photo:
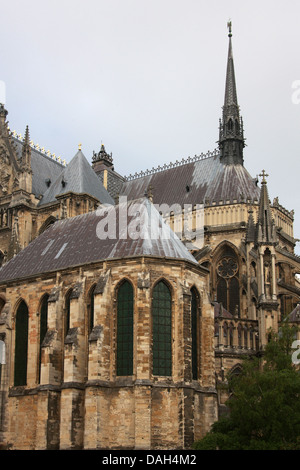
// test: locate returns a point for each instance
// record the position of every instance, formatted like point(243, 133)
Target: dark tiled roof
point(221, 312)
point(79, 240)
point(43, 168)
point(77, 177)
point(294, 316)
point(195, 182)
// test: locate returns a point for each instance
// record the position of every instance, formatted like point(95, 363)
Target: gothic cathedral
point(121, 337)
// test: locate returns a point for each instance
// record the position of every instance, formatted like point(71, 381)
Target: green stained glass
point(162, 330)
point(125, 329)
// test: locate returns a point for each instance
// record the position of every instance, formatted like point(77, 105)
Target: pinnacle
point(27, 137)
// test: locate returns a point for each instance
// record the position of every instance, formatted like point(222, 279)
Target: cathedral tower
point(231, 132)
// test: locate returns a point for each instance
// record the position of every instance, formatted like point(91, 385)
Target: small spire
point(26, 137)
point(266, 225)
point(79, 146)
point(26, 150)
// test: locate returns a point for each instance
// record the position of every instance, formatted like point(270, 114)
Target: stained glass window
point(125, 329)
point(228, 284)
point(162, 330)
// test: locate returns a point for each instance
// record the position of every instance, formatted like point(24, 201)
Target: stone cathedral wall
point(73, 397)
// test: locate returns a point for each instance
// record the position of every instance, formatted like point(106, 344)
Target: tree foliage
point(264, 404)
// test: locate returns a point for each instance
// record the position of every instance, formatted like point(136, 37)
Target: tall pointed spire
point(230, 88)
point(266, 232)
point(231, 138)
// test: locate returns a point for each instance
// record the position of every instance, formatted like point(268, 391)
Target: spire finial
point(264, 176)
point(79, 146)
point(229, 26)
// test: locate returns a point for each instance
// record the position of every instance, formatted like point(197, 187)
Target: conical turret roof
point(77, 177)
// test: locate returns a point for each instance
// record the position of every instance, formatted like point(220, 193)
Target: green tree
point(264, 408)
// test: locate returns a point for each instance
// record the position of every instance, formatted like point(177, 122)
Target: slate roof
point(294, 316)
point(220, 311)
point(196, 182)
point(81, 240)
point(43, 168)
point(77, 177)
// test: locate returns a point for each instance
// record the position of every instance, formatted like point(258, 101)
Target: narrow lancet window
point(125, 329)
point(21, 345)
point(162, 330)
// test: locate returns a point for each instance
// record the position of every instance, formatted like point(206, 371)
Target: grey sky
point(147, 79)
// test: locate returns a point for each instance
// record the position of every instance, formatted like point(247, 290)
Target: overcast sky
point(147, 78)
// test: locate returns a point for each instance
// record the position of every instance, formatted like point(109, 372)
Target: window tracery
point(228, 285)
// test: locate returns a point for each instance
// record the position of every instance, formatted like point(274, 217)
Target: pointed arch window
point(125, 329)
point(91, 309)
point(67, 312)
point(162, 329)
point(195, 324)
point(228, 287)
point(21, 345)
point(43, 326)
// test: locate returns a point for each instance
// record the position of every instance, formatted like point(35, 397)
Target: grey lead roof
point(207, 179)
point(77, 177)
point(43, 168)
point(83, 239)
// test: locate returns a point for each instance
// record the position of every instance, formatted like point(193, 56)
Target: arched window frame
point(21, 344)
point(91, 308)
point(51, 220)
point(228, 283)
point(124, 328)
point(43, 313)
point(67, 311)
point(162, 333)
point(195, 332)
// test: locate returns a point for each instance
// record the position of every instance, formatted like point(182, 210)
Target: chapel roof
point(77, 177)
point(84, 239)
